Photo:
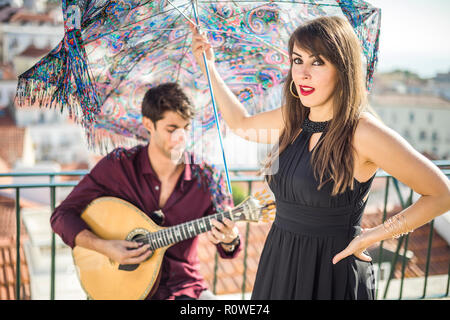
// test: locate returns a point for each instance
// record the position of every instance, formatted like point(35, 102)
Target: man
point(157, 179)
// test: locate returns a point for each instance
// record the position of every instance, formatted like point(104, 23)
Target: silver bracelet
point(396, 226)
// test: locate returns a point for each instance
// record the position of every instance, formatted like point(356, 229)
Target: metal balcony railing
point(239, 176)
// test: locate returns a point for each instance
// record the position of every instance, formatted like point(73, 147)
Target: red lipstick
point(305, 90)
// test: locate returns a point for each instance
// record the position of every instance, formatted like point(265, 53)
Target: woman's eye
point(318, 63)
point(297, 60)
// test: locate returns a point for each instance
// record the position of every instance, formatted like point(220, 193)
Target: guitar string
point(185, 224)
point(185, 233)
point(166, 231)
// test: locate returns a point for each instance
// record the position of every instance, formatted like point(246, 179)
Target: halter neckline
point(314, 126)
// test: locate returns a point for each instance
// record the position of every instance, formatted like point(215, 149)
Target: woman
point(329, 149)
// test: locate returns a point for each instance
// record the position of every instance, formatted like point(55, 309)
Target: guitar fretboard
point(184, 231)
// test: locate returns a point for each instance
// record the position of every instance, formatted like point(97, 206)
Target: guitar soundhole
point(138, 235)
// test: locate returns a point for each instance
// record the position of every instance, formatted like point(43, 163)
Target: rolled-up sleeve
point(66, 220)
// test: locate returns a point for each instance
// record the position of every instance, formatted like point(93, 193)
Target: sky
point(414, 36)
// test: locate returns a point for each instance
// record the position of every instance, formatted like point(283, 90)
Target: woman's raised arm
point(264, 127)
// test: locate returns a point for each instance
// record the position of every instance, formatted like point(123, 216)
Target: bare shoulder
point(369, 124)
point(369, 130)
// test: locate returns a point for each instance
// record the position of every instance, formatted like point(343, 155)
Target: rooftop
point(409, 100)
point(16, 15)
point(35, 52)
point(11, 144)
point(8, 256)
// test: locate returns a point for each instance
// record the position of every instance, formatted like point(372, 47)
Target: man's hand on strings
point(224, 232)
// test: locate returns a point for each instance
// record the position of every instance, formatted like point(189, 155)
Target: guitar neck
point(184, 231)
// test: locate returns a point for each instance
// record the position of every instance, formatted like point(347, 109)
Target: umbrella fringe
point(67, 85)
point(212, 179)
point(33, 92)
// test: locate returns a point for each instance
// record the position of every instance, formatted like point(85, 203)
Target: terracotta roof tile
point(8, 256)
point(7, 72)
point(6, 12)
point(6, 119)
point(11, 144)
point(24, 16)
point(230, 271)
point(35, 52)
point(8, 270)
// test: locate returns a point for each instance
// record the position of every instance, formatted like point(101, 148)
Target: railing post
point(380, 255)
point(18, 243)
point(405, 249)
point(53, 253)
point(393, 264)
point(399, 244)
point(448, 281)
point(247, 233)
point(427, 266)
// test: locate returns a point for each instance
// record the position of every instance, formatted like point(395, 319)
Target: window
point(406, 134)
point(411, 117)
point(434, 136)
point(422, 135)
point(435, 151)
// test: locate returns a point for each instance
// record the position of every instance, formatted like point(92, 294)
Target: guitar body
point(101, 278)
point(112, 218)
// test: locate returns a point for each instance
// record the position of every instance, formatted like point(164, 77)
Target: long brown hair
point(332, 158)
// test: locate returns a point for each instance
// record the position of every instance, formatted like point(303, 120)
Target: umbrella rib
point(143, 52)
point(238, 14)
point(131, 24)
point(252, 35)
point(290, 2)
point(183, 56)
point(249, 34)
point(186, 17)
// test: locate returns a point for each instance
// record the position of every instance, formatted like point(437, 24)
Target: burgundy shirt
point(128, 174)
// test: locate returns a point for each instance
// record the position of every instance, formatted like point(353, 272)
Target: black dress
point(310, 228)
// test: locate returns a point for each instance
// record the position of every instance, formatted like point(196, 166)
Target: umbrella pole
point(214, 108)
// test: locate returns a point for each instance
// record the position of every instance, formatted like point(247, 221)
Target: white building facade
point(423, 121)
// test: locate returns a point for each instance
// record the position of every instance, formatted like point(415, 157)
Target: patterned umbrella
point(114, 50)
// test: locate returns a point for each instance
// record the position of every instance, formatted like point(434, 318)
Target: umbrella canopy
point(113, 51)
